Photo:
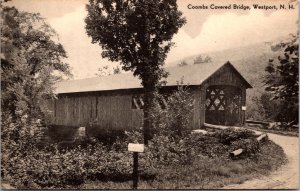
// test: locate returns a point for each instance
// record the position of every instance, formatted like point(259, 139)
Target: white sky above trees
point(205, 30)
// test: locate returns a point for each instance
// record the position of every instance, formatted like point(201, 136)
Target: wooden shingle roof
point(191, 74)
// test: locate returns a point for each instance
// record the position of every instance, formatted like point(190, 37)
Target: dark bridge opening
point(223, 105)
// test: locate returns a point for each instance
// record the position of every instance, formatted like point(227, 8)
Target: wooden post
point(136, 149)
point(135, 173)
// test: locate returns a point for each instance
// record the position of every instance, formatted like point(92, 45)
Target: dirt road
point(286, 177)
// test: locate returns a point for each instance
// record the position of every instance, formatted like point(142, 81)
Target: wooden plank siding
point(225, 76)
point(112, 111)
point(202, 104)
point(196, 121)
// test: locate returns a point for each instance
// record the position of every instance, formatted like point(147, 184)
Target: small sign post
point(136, 149)
point(135, 173)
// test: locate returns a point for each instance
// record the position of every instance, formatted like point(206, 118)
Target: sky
point(206, 30)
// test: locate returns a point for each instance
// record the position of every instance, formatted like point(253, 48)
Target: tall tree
point(31, 62)
point(138, 34)
point(282, 79)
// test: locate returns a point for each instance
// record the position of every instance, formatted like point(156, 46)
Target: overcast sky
point(205, 31)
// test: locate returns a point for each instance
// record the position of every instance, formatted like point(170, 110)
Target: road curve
point(286, 177)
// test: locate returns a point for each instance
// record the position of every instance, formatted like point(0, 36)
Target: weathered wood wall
point(197, 94)
point(109, 111)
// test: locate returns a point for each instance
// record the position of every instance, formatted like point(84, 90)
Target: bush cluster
point(213, 145)
point(52, 168)
point(173, 120)
point(239, 139)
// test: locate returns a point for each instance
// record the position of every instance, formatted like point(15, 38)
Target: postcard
point(137, 94)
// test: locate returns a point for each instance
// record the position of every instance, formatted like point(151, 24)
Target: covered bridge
point(115, 101)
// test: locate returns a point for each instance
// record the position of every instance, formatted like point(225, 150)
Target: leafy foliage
point(134, 32)
point(229, 135)
point(138, 34)
point(174, 120)
point(17, 140)
point(262, 107)
point(31, 62)
point(283, 79)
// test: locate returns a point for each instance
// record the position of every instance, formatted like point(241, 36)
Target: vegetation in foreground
point(193, 161)
point(205, 172)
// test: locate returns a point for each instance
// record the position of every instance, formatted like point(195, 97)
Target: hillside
point(250, 60)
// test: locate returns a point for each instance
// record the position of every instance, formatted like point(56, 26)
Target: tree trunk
point(149, 100)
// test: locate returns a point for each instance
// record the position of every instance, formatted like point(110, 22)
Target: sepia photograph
point(139, 94)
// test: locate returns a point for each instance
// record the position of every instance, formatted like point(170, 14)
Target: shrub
point(174, 120)
point(134, 136)
point(18, 137)
point(60, 133)
point(229, 135)
point(52, 168)
point(263, 108)
point(249, 146)
point(106, 135)
point(179, 110)
point(55, 169)
point(207, 145)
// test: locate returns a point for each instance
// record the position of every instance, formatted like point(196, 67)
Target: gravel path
point(286, 177)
